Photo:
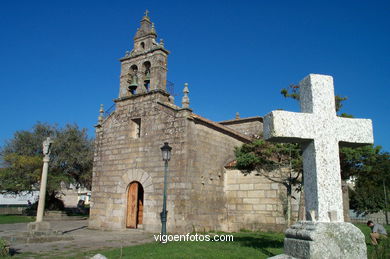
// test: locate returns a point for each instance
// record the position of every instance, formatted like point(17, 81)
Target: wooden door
point(132, 206)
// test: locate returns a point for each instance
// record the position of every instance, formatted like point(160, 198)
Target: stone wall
point(200, 149)
point(255, 202)
point(121, 159)
point(202, 195)
point(209, 150)
point(252, 126)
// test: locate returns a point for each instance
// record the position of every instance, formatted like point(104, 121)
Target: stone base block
point(321, 240)
point(38, 227)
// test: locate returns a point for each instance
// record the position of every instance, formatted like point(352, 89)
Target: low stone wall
point(378, 217)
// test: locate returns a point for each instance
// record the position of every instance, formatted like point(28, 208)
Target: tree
point(370, 192)
point(70, 162)
point(280, 163)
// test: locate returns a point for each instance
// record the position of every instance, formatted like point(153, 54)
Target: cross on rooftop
point(146, 12)
point(320, 131)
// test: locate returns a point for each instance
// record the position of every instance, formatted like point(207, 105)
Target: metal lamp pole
point(166, 154)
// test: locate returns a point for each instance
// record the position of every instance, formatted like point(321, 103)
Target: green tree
point(70, 162)
point(280, 163)
point(372, 180)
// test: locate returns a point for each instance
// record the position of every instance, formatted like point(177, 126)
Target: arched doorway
point(135, 205)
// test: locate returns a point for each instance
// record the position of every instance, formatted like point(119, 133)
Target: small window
point(135, 128)
point(142, 45)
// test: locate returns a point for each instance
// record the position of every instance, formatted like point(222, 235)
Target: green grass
point(245, 245)
point(9, 219)
point(373, 251)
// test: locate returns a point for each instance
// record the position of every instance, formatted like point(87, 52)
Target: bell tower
point(144, 68)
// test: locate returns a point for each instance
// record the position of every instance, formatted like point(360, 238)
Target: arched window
point(134, 68)
point(142, 45)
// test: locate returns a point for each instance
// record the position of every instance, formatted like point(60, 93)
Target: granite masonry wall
point(202, 194)
point(256, 203)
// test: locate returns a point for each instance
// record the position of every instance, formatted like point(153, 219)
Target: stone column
point(42, 191)
point(39, 225)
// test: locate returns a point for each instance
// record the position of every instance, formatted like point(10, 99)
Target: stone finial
point(153, 29)
point(185, 102)
point(101, 114)
point(161, 42)
point(237, 115)
point(46, 146)
point(171, 99)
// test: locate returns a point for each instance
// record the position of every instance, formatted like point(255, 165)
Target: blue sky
point(59, 59)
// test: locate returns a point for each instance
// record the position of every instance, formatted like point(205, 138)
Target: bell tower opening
point(146, 68)
point(133, 81)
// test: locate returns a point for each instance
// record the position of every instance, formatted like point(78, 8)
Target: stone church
point(205, 192)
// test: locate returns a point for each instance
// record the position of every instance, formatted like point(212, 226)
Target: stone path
point(82, 239)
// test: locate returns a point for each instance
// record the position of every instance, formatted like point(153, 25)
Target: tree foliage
point(280, 163)
point(265, 157)
point(70, 160)
point(371, 183)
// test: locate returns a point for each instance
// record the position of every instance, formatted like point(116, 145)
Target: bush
point(51, 203)
point(4, 248)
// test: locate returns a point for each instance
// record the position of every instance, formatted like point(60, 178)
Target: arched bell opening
point(135, 205)
point(146, 69)
point(133, 83)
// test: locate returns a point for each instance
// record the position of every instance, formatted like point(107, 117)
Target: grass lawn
point(245, 245)
point(9, 219)
point(371, 252)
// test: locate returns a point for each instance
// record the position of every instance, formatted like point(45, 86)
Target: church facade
point(205, 192)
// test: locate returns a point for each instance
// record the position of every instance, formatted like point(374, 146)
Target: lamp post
point(166, 155)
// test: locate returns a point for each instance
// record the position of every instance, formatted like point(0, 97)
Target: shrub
point(4, 248)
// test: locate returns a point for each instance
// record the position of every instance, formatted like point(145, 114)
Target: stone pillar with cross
point(39, 225)
point(320, 132)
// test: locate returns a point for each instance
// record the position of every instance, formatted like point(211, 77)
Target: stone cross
point(320, 131)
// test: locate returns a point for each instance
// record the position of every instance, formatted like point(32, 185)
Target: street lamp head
point(166, 151)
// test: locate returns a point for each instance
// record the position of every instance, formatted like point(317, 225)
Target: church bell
point(147, 77)
point(133, 84)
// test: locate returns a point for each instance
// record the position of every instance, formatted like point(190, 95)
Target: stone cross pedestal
point(320, 132)
point(39, 225)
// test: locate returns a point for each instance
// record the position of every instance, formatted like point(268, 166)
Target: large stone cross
point(320, 131)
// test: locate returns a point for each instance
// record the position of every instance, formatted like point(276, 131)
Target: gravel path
point(83, 239)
